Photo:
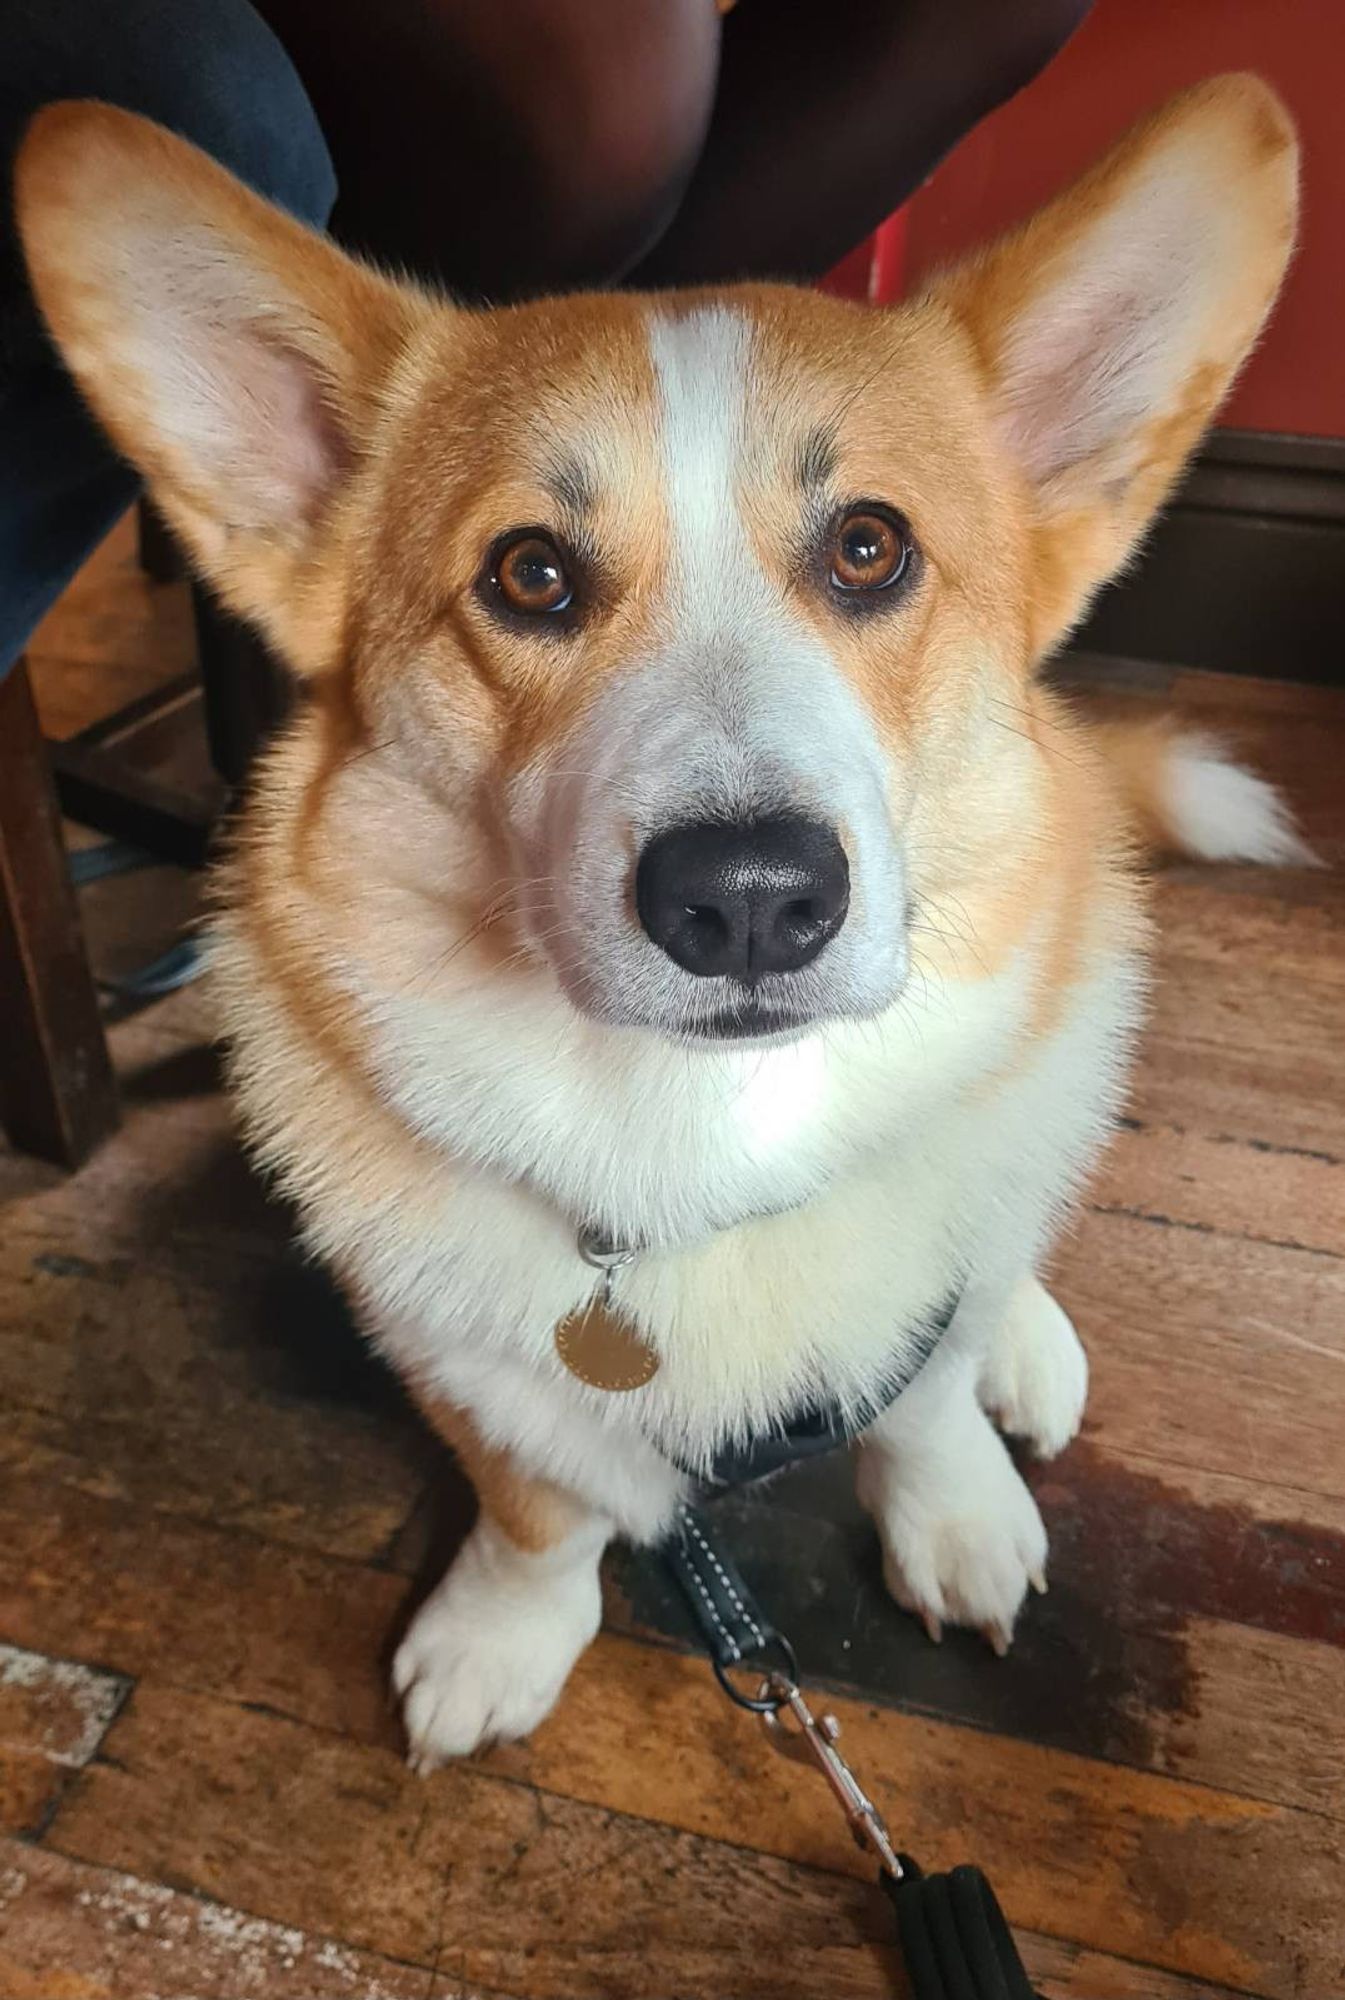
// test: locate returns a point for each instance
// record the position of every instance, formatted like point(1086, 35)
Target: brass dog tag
point(603, 1349)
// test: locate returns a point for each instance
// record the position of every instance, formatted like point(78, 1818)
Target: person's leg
point(827, 118)
point(507, 149)
point(213, 71)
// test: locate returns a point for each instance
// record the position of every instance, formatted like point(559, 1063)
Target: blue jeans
point(211, 70)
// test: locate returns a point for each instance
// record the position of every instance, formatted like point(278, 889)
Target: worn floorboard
point(214, 1509)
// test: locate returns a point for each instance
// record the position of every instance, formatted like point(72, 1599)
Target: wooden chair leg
point(57, 1097)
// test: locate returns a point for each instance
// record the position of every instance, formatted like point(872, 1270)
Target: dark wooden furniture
point(1245, 570)
point(57, 1097)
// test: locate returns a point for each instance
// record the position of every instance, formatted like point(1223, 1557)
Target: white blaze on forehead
point(733, 708)
point(702, 364)
point(751, 711)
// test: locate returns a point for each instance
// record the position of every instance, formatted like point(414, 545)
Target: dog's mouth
point(749, 1019)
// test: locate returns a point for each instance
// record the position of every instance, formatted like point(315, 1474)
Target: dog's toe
point(1035, 1379)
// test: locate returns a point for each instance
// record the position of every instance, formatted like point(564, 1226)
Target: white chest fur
point(900, 1166)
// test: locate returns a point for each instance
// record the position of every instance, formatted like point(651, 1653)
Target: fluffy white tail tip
point(1220, 812)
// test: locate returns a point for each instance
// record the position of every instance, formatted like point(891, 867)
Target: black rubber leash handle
point(955, 1940)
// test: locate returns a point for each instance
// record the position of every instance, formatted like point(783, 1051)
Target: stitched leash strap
point(733, 1625)
point(954, 1939)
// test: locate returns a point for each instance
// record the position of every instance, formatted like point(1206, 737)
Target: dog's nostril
point(706, 930)
point(799, 922)
point(739, 901)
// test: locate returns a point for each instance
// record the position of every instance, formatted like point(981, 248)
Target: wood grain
point(69, 1932)
point(113, 637)
point(198, 1606)
point(511, 1885)
point(225, 1612)
point(494, 1883)
point(1209, 1351)
point(287, 1630)
point(195, 1396)
point(53, 1716)
point(1274, 1193)
point(59, 1708)
point(1251, 1052)
point(1262, 1719)
point(30, 1786)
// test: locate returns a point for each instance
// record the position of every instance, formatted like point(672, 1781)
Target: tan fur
point(353, 324)
point(1135, 750)
point(533, 1513)
point(380, 835)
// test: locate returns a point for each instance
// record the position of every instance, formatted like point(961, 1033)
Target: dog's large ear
point(234, 356)
point(1110, 327)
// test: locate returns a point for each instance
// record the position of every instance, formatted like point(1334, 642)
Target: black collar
point(817, 1429)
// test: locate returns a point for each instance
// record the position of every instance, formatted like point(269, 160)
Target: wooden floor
point(214, 1508)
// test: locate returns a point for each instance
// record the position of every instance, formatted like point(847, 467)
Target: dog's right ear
point(234, 356)
point(1109, 327)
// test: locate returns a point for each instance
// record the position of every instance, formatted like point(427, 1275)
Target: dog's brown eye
point(869, 551)
point(529, 573)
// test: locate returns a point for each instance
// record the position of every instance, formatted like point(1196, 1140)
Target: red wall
point(1127, 57)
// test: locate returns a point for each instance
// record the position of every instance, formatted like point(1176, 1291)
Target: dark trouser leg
point(507, 147)
point(827, 118)
point(212, 70)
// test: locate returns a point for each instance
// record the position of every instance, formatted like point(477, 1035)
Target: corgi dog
point(672, 840)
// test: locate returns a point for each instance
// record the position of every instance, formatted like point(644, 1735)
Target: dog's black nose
point(740, 901)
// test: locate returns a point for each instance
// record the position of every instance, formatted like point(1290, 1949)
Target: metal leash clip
point(814, 1742)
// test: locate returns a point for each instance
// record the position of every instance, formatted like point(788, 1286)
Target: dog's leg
point(961, 1535)
point(1034, 1380)
point(489, 1651)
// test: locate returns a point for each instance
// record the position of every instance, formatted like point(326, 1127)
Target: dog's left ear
point(1110, 327)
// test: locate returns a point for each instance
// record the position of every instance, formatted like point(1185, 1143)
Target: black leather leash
point(954, 1938)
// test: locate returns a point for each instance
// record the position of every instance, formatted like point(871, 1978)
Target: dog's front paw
point(1035, 1379)
point(486, 1656)
point(962, 1539)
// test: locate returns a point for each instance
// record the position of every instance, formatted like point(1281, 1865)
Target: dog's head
point(701, 623)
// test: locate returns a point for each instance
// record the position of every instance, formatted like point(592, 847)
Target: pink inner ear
point(231, 391)
point(1108, 342)
point(276, 447)
point(1082, 373)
